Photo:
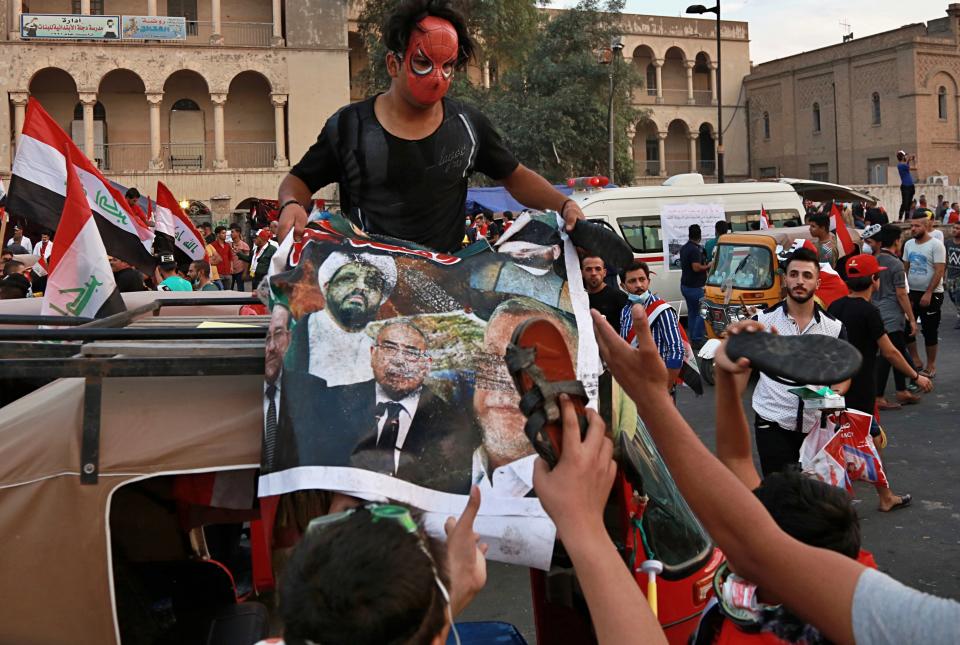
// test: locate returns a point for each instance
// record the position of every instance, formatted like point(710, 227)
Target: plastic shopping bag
point(849, 454)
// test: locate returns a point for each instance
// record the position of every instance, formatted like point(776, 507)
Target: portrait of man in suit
point(502, 465)
point(414, 433)
point(331, 344)
point(277, 341)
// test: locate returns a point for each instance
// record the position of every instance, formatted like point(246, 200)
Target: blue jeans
point(696, 331)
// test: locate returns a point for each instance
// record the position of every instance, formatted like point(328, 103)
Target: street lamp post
point(700, 9)
point(611, 57)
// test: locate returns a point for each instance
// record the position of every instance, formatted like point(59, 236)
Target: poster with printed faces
point(675, 220)
point(385, 376)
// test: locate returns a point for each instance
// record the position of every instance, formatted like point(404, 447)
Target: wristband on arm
point(285, 204)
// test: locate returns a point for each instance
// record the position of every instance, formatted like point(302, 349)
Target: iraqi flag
point(172, 222)
point(80, 281)
point(840, 227)
point(764, 219)
point(38, 188)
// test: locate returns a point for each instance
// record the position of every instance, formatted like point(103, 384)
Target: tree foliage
point(551, 99)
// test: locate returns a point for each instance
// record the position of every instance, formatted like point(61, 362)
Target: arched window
point(875, 108)
point(651, 80)
point(816, 117)
point(766, 125)
point(185, 104)
point(942, 103)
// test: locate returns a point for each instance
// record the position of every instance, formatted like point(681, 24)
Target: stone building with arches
point(840, 113)
point(677, 58)
point(217, 117)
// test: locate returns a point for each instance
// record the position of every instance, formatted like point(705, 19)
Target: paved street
point(919, 546)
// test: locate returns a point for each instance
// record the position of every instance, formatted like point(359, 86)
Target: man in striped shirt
point(664, 323)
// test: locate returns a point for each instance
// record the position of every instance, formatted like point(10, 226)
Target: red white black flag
point(80, 281)
point(172, 221)
point(37, 190)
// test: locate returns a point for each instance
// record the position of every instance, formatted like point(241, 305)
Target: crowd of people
point(231, 263)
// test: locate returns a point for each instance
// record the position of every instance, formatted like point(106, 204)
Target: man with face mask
point(663, 320)
point(402, 158)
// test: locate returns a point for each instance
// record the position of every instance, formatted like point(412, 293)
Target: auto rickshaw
point(128, 507)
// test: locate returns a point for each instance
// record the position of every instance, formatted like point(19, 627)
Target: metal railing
point(702, 97)
point(188, 156)
point(250, 154)
point(122, 156)
point(677, 166)
point(650, 168)
point(675, 96)
point(707, 167)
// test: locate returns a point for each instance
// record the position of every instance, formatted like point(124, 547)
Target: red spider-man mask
point(430, 58)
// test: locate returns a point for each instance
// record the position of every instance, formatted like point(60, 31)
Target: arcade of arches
point(190, 127)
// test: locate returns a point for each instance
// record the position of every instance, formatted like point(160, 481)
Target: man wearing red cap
point(402, 158)
point(865, 331)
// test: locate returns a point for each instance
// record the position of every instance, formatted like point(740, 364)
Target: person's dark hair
point(694, 232)
point(820, 219)
point(508, 216)
point(720, 227)
point(235, 227)
point(889, 234)
point(901, 156)
point(132, 193)
point(218, 229)
point(801, 255)
point(206, 225)
point(590, 256)
point(636, 265)
point(7, 251)
point(920, 213)
point(13, 266)
point(401, 23)
point(202, 267)
point(861, 283)
point(811, 511)
point(364, 583)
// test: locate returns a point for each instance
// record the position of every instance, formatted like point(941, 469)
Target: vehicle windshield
point(743, 266)
point(670, 532)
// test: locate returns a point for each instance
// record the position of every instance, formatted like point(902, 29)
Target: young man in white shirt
point(781, 422)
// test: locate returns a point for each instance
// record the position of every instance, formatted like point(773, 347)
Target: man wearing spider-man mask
point(402, 158)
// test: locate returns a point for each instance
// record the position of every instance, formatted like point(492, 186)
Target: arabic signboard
point(69, 26)
point(154, 28)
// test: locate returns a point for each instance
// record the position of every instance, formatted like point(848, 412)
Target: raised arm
point(733, 431)
point(816, 584)
point(533, 191)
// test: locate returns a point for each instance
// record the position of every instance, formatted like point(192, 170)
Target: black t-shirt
point(610, 303)
point(689, 253)
point(864, 327)
point(412, 190)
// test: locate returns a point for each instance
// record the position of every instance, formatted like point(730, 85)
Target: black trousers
point(778, 449)
point(899, 340)
point(906, 198)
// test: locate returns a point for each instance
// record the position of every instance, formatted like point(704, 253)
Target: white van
point(635, 214)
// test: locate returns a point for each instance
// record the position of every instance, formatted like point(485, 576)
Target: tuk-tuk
point(746, 275)
point(128, 507)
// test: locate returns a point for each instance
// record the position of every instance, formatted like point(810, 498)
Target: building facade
point(217, 117)
point(677, 57)
point(840, 113)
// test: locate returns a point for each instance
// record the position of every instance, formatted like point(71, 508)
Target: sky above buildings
point(781, 28)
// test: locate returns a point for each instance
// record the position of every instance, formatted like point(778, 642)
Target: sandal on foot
point(924, 372)
point(797, 360)
point(903, 503)
point(599, 240)
point(541, 368)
